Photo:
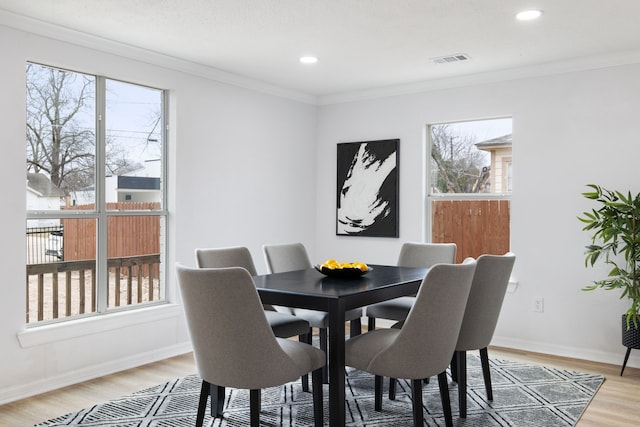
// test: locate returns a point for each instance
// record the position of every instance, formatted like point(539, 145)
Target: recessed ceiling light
point(528, 15)
point(308, 59)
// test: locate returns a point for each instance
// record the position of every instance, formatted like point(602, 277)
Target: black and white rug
point(524, 395)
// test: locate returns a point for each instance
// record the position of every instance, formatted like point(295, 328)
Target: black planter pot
point(630, 339)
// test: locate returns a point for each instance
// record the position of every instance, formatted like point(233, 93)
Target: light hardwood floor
point(616, 403)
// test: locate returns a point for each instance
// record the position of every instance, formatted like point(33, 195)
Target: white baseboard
point(615, 357)
point(36, 387)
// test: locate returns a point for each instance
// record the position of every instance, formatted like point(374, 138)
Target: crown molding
point(67, 35)
point(44, 29)
point(533, 71)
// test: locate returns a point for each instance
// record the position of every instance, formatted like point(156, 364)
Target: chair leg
point(371, 324)
point(461, 367)
point(202, 403)
point(254, 407)
point(378, 393)
point(444, 396)
point(355, 327)
point(305, 377)
point(217, 400)
point(392, 389)
point(486, 372)
point(323, 347)
point(454, 368)
point(316, 379)
point(416, 395)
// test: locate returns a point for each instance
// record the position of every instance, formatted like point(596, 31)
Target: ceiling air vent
point(451, 58)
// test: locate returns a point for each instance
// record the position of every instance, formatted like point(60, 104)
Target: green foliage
point(616, 241)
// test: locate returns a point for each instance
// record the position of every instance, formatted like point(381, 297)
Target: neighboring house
point(85, 196)
point(140, 185)
point(43, 195)
point(500, 149)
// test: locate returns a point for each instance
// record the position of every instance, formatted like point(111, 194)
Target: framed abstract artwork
point(367, 190)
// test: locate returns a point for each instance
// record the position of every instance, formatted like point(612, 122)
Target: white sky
point(132, 113)
point(482, 130)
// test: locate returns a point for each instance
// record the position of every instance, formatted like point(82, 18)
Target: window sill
point(46, 334)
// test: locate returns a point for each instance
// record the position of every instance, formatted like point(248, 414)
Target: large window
point(469, 185)
point(95, 194)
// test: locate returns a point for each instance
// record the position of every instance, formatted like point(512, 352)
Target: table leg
point(336, 366)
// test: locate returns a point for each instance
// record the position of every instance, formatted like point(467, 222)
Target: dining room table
point(314, 290)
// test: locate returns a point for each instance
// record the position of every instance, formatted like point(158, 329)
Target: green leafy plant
point(615, 240)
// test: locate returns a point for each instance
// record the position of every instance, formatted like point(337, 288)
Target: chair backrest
point(426, 254)
point(286, 257)
point(235, 256)
point(233, 344)
point(427, 340)
point(489, 286)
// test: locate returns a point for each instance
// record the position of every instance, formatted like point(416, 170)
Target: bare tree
point(56, 141)
point(119, 160)
point(460, 165)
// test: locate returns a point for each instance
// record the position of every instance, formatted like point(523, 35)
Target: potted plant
point(616, 241)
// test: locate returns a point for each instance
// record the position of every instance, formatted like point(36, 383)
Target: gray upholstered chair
point(426, 341)
point(411, 255)
point(293, 256)
point(488, 289)
point(233, 344)
point(283, 325)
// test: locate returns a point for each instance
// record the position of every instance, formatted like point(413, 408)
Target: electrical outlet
point(538, 304)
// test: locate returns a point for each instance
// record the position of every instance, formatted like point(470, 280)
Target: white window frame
point(430, 196)
point(101, 215)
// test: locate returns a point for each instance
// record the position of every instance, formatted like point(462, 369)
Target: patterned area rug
point(524, 395)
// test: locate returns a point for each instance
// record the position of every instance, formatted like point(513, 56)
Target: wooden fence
point(126, 235)
point(476, 226)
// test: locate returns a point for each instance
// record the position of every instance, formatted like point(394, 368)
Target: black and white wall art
point(367, 192)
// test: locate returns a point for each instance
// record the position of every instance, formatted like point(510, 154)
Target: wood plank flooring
point(48, 405)
point(615, 405)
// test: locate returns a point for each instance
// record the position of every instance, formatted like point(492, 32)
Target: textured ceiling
point(361, 44)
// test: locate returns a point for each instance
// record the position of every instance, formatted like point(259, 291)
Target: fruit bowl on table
point(345, 272)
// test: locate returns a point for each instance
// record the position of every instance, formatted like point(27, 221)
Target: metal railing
point(44, 244)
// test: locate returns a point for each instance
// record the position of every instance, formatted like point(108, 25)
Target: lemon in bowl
point(331, 267)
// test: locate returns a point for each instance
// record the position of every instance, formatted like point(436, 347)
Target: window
point(95, 163)
point(469, 185)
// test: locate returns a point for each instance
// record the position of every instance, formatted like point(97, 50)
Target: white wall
point(239, 174)
point(249, 168)
point(568, 130)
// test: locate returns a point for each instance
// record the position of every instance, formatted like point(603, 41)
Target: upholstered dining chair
point(488, 289)
point(411, 255)
point(233, 344)
point(426, 341)
point(293, 256)
point(283, 325)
